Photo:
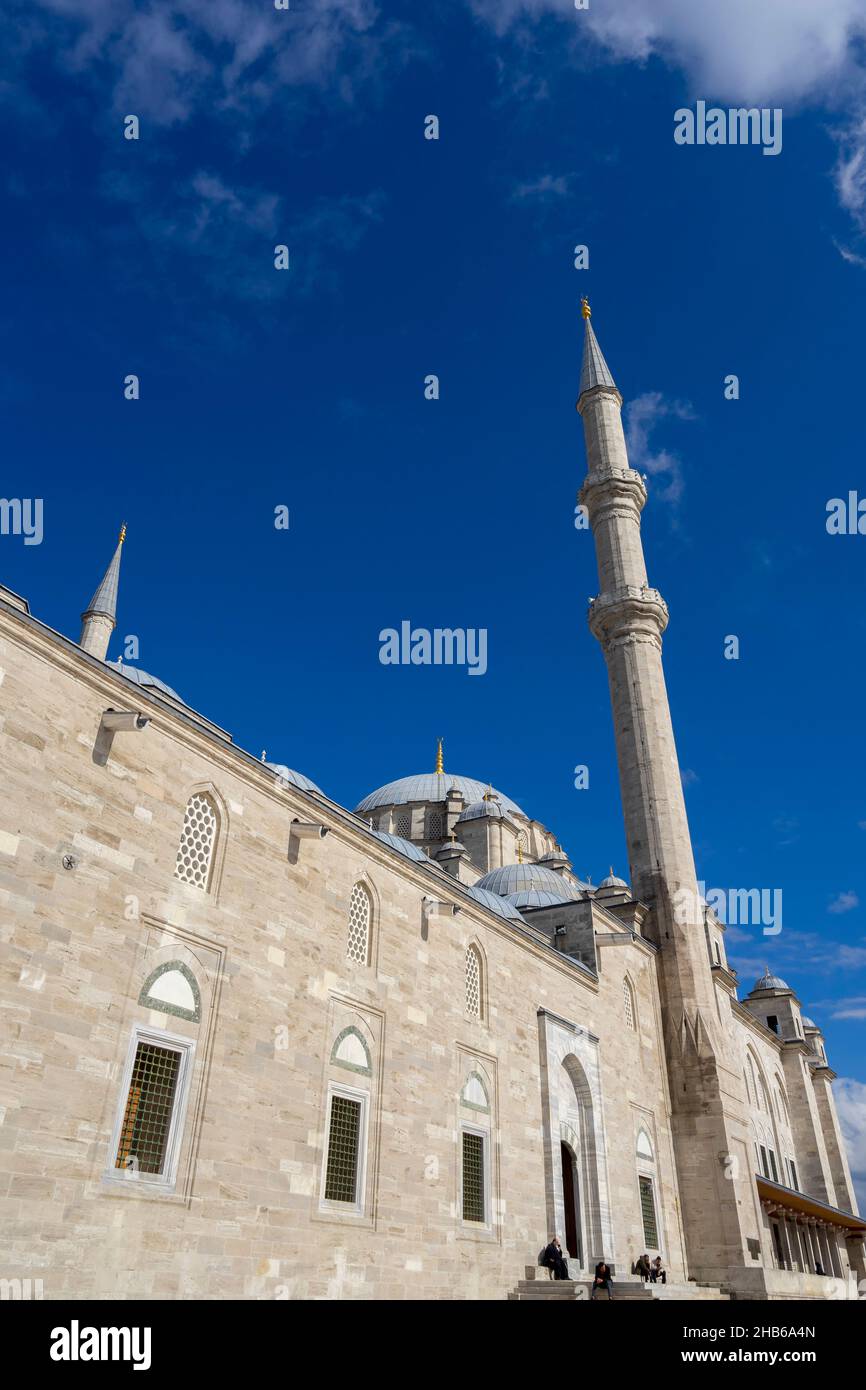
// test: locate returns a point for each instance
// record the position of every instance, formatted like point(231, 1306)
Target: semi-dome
point(529, 885)
point(430, 786)
point(768, 981)
point(295, 779)
point(503, 907)
point(144, 679)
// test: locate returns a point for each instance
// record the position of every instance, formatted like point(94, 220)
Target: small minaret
point(99, 618)
point(628, 618)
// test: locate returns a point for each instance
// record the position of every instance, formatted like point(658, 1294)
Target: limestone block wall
point(267, 946)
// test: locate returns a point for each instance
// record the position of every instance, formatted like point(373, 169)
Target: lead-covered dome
point(529, 885)
point(768, 981)
point(295, 779)
point(144, 679)
point(430, 786)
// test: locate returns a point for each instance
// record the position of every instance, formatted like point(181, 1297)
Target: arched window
point(197, 841)
point(473, 982)
point(360, 913)
point(628, 1004)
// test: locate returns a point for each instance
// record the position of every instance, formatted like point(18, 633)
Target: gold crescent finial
point(585, 309)
point(440, 766)
point(122, 537)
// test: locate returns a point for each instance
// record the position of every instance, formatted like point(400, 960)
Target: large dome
point(430, 786)
point(529, 885)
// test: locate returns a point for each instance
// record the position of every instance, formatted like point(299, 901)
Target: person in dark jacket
point(643, 1267)
point(554, 1259)
point(602, 1280)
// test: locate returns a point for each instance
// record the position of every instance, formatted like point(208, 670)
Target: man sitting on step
point(554, 1260)
point(602, 1280)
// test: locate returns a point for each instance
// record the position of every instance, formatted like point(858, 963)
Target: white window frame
point(159, 1183)
point(484, 1136)
point(356, 1208)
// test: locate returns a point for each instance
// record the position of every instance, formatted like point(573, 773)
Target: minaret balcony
point(612, 487)
point(628, 612)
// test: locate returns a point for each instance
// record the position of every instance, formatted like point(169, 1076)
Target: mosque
point(257, 1045)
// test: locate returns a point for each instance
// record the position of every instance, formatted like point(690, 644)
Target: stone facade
point(504, 1064)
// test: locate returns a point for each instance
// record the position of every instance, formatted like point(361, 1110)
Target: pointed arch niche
point(575, 1158)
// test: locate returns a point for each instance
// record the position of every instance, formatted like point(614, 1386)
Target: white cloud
point(844, 902)
point(545, 188)
point(762, 51)
point(641, 417)
point(854, 1007)
point(851, 1106)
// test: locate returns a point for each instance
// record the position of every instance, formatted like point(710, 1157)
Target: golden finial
point(585, 309)
point(122, 537)
point(440, 766)
point(488, 795)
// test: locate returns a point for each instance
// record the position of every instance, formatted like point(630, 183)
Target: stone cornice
point(628, 613)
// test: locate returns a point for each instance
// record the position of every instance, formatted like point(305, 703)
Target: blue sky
point(408, 257)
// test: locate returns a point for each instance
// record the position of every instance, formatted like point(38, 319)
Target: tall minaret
point(714, 1158)
point(99, 618)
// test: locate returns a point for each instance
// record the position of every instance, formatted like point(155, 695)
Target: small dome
point(296, 779)
point(144, 679)
point(529, 885)
point(429, 786)
point(768, 981)
point(403, 847)
point(613, 882)
point(503, 907)
point(489, 807)
point(810, 1023)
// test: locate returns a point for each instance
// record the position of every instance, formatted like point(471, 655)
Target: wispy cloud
point(688, 776)
point(544, 189)
point(844, 902)
point(853, 1007)
point(642, 415)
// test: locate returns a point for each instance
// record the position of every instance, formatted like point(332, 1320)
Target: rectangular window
point(765, 1167)
point(794, 1182)
point(648, 1212)
point(473, 1177)
point(148, 1130)
point(773, 1022)
point(773, 1166)
point(344, 1145)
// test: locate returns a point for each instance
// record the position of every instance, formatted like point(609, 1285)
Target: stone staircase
point(536, 1285)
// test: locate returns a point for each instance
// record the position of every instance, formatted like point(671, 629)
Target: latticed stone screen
point(628, 1003)
point(648, 1212)
point(358, 941)
point(197, 840)
point(341, 1173)
point(404, 825)
point(147, 1117)
point(435, 826)
point(473, 1177)
point(473, 983)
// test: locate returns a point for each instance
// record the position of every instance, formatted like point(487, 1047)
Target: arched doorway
point(571, 1203)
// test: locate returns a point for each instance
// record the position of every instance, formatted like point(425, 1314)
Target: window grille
point(628, 1002)
point(358, 940)
point(648, 1212)
point(473, 1177)
point(197, 841)
point(435, 826)
point(473, 983)
point(404, 825)
point(341, 1172)
point(149, 1105)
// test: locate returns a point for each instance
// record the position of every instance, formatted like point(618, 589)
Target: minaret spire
point(99, 617)
point(628, 618)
